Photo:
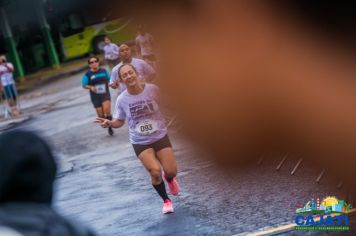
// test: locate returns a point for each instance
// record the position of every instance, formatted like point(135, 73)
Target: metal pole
point(11, 45)
point(46, 32)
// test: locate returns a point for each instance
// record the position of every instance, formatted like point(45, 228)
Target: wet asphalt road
point(102, 184)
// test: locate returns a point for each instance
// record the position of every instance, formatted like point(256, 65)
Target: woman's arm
point(85, 84)
point(91, 88)
point(105, 123)
point(10, 67)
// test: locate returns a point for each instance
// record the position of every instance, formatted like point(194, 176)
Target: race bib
point(112, 57)
point(146, 127)
point(100, 88)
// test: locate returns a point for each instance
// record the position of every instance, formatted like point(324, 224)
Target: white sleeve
point(114, 76)
point(119, 113)
point(116, 50)
point(148, 69)
point(105, 49)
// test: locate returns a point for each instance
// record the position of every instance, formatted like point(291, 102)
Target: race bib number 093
point(146, 127)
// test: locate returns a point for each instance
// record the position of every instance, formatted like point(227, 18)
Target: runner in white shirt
point(145, 71)
point(139, 105)
point(144, 44)
point(111, 52)
point(8, 84)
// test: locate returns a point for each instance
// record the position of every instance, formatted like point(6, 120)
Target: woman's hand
point(93, 89)
point(114, 85)
point(105, 123)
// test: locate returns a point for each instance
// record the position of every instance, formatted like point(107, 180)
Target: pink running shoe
point(167, 207)
point(173, 185)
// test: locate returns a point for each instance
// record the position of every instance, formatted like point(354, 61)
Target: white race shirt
point(145, 44)
point(111, 51)
point(7, 77)
point(144, 71)
point(145, 120)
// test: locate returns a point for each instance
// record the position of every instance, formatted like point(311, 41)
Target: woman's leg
point(99, 112)
point(107, 113)
point(11, 97)
point(106, 105)
point(168, 161)
point(149, 161)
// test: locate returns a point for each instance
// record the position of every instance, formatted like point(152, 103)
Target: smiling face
point(128, 75)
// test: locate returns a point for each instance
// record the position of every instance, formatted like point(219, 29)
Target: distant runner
point(139, 105)
point(96, 80)
point(145, 45)
point(111, 53)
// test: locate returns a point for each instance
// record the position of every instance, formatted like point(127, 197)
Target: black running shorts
point(156, 146)
point(98, 99)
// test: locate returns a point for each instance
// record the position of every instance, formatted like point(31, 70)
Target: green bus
point(78, 38)
point(77, 28)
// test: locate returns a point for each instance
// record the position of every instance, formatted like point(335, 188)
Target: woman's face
point(128, 75)
point(93, 63)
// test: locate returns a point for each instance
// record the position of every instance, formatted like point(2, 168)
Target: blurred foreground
point(251, 78)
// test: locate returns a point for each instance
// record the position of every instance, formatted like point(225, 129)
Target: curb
point(7, 124)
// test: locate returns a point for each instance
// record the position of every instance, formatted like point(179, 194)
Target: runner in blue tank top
point(96, 80)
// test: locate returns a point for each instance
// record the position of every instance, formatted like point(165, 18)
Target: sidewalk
point(33, 81)
point(48, 75)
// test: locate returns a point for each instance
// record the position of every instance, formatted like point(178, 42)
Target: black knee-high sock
point(109, 118)
point(169, 179)
point(161, 190)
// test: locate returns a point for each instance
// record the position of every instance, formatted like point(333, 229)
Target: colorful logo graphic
point(328, 214)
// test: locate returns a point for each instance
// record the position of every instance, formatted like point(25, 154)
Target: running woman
point(111, 52)
point(145, 70)
point(96, 80)
point(139, 105)
point(8, 84)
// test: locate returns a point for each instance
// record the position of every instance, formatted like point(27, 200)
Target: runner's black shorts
point(98, 99)
point(156, 146)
